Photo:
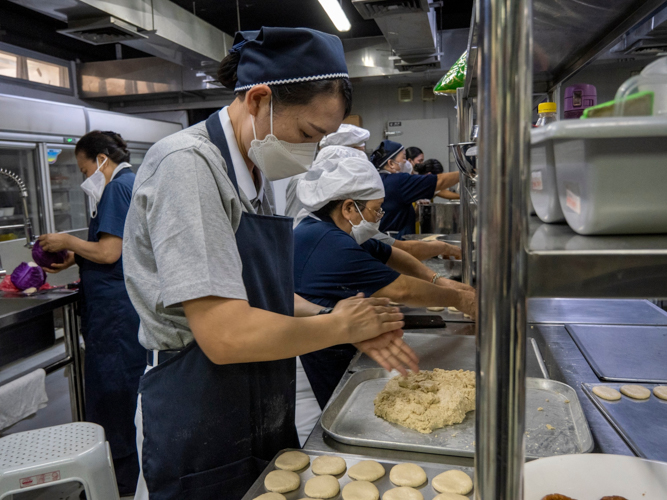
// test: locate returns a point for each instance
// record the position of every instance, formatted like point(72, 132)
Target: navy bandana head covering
point(277, 56)
point(385, 151)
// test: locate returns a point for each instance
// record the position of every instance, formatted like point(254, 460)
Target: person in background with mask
point(114, 359)
point(402, 190)
point(413, 155)
point(336, 257)
point(434, 167)
point(347, 135)
point(209, 268)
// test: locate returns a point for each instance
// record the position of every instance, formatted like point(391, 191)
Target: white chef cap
point(339, 179)
point(346, 135)
point(332, 152)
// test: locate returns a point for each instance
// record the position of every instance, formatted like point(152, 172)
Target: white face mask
point(406, 167)
point(365, 230)
point(94, 185)
point(280, 159)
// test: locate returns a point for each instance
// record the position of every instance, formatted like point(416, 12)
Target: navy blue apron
point(210, 430)
point(325, 368)
point(114, 360)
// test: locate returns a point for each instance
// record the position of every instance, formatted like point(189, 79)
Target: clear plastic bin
point(543, 187)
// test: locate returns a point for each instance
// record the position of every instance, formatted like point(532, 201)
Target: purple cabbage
point(46, 259)
point(28, 275)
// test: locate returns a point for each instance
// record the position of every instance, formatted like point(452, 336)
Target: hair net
point(385, 152)
point(346, 135)
point(333, 152)
point(339, 179)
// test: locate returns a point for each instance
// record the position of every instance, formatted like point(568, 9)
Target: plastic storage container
point(543, 190)
point(611, 173)
point(577, 98)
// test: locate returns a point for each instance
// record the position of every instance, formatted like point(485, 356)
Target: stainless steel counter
point(17, 308)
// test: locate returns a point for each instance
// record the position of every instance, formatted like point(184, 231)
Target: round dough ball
point(402, 493)
point(407, 475)
point(322, 487)
point(270, 496)
point(360, 490)
point(635, 391)
point(449, 496)
point(435, 309)
point(328, 465)
point(660, 391)
point(608, 393)
point(452, 481)
point(292, 460)
point(366, 470)
point(282, 481)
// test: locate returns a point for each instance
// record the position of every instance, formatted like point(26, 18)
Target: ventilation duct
point(102, 31)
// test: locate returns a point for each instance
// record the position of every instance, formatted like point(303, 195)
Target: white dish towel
point(22, 397)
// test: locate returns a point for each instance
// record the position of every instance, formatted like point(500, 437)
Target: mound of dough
point(608, 393)
point(449, 496)
point(292, 460)
point(366, 470)
point(635, 391)
point(402, 493)
point(270, 496)
point(432, 237)
point(328, 465)
point(407, 475)
point(427, 400)
point(435, 309)
point(452, 481)
point(360, 490)
point(282, 481)
point(660, 391)
point(322, 487)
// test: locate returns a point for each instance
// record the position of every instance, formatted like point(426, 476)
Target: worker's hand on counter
point(390, 352)
point(54, 242)
point(446, 250)
point(468, 303)
point(56, 268)
point(363, 319)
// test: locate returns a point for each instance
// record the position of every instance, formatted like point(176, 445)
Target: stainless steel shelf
point(562, 263)
point(567, 35)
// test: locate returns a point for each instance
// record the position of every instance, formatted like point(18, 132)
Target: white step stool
point(64, 453)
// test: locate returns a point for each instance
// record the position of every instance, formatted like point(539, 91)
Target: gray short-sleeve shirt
point(179, 242)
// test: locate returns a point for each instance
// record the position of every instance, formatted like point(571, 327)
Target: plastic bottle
point(546, 113)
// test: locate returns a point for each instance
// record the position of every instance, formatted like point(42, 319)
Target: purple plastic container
point(577, 99)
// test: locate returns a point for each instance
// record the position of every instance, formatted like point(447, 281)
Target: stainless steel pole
point(504, 107)
point(463, 116)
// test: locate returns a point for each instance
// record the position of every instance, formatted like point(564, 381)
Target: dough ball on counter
point(435, 309)
point(282, 481)
point(322, 487)
point(328, 465)
point(608, 393)
point(452, 481)
point(366, 470)
point(449, 496)
point(402, 493)
point(660, 391)
point(292, 460)
point(270, 496)
point(635, 391)
point(360, 490)
point(407, 475)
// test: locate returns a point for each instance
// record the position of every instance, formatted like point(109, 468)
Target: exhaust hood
point(102, 31)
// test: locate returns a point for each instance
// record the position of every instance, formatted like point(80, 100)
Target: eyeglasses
point(378, 213)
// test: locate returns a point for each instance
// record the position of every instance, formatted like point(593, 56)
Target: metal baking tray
point(383, 484)
point(350, 418)
point(641, 424)
point(624, 353)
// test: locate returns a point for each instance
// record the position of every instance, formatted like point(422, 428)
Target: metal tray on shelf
point(383, 484)
point(350, 418)
point(641, 424)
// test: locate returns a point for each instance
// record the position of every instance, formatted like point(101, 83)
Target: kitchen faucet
point(27, 224)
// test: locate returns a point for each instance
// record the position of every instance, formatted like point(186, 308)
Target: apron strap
point(217, 135)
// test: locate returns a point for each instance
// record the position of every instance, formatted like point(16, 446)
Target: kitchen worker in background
point(336, 257)
point(402, 190)
point(209, 269)
point(347, 135)
point(433, 166)
point(114, 360)
point(413, 155)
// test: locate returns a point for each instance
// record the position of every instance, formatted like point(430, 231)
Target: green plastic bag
point(455, 77)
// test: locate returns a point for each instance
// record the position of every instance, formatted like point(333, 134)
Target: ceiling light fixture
point(336, 14)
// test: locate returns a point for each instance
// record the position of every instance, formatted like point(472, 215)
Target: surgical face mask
point(406, 167)
point(280, 159)
point(93, 186)
point(365, 230)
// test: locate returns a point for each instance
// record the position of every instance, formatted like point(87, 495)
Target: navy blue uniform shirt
point(400, 192)
point(329, 265)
